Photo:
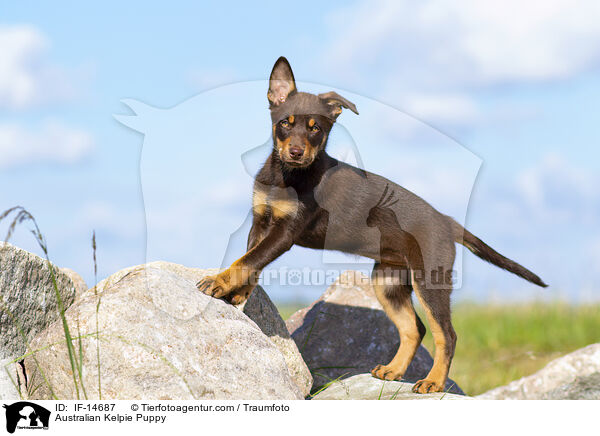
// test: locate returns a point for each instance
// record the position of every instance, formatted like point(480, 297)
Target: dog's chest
point(274, 201)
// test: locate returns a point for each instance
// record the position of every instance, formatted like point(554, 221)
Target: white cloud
point(475, 40)
point(450, 108)
point(557, 189)
point(441, 53)
point(27, 77)
point(547, 219)
point(50, 142)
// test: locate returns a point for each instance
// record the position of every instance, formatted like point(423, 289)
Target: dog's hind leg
point(393, 289)
point(434, 296)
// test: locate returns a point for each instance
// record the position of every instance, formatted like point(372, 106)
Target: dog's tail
point(487, 253)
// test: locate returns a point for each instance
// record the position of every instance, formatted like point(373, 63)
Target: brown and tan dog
point(304, 196)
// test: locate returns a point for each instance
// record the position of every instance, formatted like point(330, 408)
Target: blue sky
point(516, 85)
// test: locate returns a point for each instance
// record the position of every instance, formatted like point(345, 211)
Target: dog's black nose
point(296, 152)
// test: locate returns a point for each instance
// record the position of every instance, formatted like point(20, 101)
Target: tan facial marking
point(311, 122)
point(291, 119)
point(312, 151)
point(281, 145)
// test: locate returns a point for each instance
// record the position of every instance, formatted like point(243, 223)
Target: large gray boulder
point(582, 388)
point(28, 305)
point(9, 385)
point(78, 282)
point(367, 387)
point(574, 376)
point(259, 308)
point(161, 339)
point(27, 298)
point(346, 332)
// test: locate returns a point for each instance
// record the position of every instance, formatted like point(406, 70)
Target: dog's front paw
point(386, 372)
point(213, 286)
point(239, 296)
point(427, 386)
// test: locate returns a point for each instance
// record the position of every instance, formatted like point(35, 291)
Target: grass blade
point(97, 312)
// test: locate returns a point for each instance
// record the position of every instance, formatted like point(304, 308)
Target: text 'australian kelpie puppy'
point(304, 196)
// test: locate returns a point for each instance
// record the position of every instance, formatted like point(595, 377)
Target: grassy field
point(501, 343)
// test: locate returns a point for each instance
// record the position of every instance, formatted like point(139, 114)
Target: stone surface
point(8, 380)
point(27, 298)
point(582, 388)
point(161, 339)
point(191, 274)
point(345, 332)
point(260, 309)
point(80, 284)
point(566, 376)
point(366, 387)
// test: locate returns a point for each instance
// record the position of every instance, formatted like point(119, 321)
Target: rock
point(259, 308)
point(569, 376)
point(191, 274)
point(8, 381)
point(583, 388)
point(27, 298)
point(80, 284)
point(345, 332)
point(367, 387)
point(161, 339)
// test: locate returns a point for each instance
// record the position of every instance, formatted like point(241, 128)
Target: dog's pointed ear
point(281, 82)
point(336, 102)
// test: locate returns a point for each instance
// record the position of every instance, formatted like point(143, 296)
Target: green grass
point(501, 343)
point(286, 310)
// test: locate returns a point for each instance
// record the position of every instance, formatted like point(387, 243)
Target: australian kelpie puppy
point(304, 196)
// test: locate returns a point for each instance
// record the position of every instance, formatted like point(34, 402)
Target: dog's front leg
point(242, 276)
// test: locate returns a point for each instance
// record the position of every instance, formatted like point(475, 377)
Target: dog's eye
point(315, 128)
point(284, 123)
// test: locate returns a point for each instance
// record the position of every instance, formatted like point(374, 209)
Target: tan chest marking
point(259, 202)
point(281, 203)
point(284, 208)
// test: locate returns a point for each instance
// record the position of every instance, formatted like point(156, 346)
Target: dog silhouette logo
point(26, 415)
